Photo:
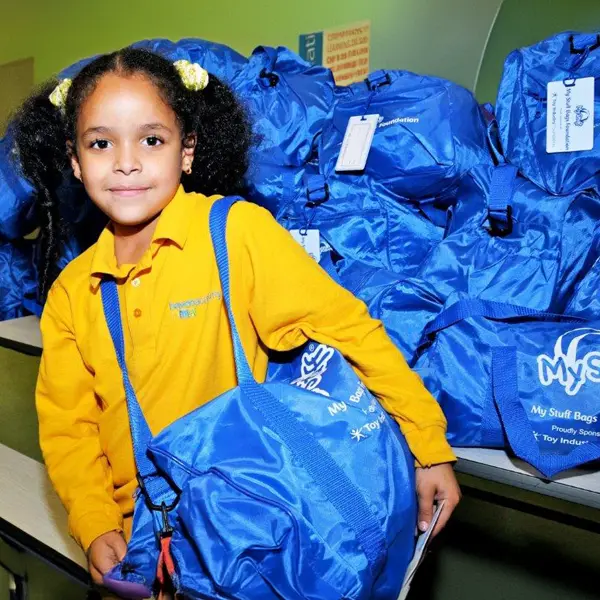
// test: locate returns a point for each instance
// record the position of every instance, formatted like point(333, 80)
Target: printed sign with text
point(344, 50)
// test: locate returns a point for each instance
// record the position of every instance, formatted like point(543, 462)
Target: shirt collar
point(173, 225)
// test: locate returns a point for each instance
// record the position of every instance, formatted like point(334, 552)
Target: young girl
point(154, 143)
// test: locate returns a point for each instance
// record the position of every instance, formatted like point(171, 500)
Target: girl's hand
point(105, 552)
point(436, 483)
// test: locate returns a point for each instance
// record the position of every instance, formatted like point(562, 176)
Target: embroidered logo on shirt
point(188, 309)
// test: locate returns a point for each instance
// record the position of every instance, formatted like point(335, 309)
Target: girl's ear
point(74, 160)
point(187, 152)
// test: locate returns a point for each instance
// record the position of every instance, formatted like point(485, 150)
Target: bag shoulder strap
point(158, 490)
point(218, 231)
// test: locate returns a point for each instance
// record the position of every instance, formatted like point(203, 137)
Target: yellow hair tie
point(193, 76)
point(59, 96)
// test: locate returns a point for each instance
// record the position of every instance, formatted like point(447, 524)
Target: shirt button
point(137, 313)
point(136, 282)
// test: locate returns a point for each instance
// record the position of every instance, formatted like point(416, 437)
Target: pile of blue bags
point(472, 232)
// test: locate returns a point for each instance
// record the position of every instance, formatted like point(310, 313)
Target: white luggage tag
point(570, 115)
point(357, 143)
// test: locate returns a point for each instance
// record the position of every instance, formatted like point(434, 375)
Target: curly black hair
point(214, 116)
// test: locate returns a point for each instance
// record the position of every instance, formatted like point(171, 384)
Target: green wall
point(440, 37)
point(18, 417)
point(522, 23)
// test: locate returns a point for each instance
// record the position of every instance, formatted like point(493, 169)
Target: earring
point(188, 169)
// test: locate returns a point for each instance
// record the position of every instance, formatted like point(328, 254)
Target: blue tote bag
point(267, 491)
point(509, 376)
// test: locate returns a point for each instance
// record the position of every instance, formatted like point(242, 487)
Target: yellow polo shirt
point(179, 349)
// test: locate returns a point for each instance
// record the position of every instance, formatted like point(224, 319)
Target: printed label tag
point(309, 239)
point(570, 117)
point(357, 143)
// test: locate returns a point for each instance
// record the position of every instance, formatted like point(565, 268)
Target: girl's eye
point(100, 144)
point(153, 141)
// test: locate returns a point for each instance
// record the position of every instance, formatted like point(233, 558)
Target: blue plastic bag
point(523, 107)
point(271, 491)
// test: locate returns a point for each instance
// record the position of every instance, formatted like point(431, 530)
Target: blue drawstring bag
point(287, 99)
point(267, 492)
point(523, 107)
point(430, 132)
point(509, 376)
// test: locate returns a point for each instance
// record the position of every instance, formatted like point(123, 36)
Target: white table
point(22, 335)
point(32, 516)
point(580, 486)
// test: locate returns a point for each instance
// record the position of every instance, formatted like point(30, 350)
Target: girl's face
point(129, 151)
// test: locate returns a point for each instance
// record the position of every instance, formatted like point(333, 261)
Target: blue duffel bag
point(509, 376)
point(16, 193)
point(18, 282)
point(509, 240)
point(218, 59)
point(585, 301)
point(17, 211)
point(405, 306)
point(430, 132)
point(565, 157)
point(362, 221)
point(268, 491)
point(287, 100)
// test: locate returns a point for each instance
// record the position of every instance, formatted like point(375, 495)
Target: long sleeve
point(293, 300)
point(68, 417)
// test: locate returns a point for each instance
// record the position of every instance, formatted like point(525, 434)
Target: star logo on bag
point(357, 435)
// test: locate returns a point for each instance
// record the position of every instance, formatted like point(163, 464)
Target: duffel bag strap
point(584, 42)
point(499, 210)
point(496, 311)
point(468, 308)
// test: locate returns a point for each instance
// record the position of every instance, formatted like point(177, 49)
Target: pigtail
point(223, 134)
point(41, 144)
